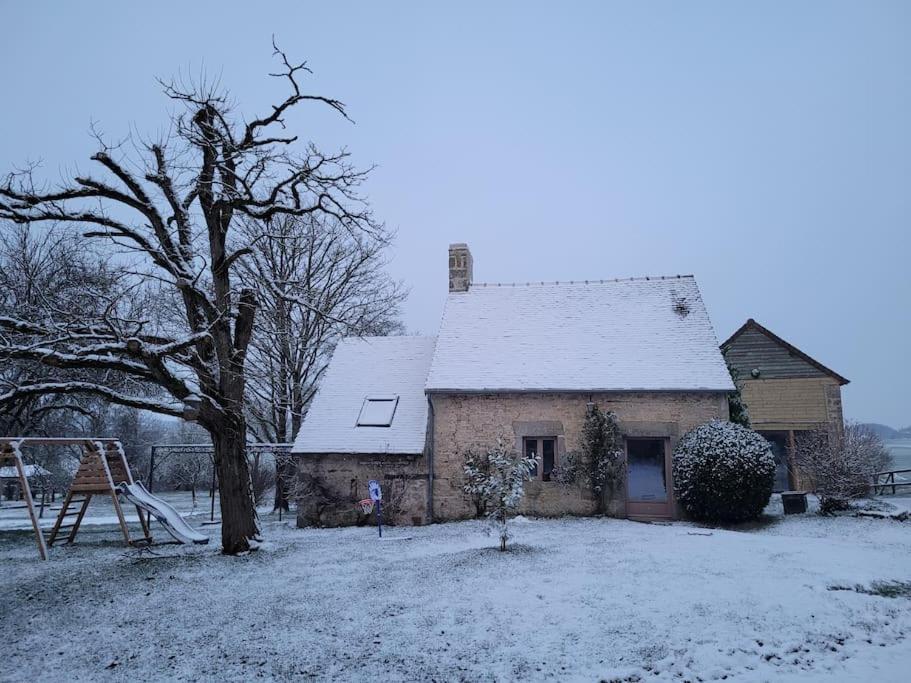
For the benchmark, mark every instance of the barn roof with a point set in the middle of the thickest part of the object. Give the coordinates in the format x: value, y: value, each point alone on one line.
x: 649, y: 334
x: 386, y: 369
x: 751, y: 324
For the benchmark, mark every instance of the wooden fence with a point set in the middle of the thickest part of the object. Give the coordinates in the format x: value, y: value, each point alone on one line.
x: 888, y: 480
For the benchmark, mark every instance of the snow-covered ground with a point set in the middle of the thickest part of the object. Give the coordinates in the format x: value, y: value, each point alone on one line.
x: 13, y: 514
x: 575, y: 599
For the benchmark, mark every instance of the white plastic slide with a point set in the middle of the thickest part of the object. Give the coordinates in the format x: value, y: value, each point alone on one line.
x: 170, y: 519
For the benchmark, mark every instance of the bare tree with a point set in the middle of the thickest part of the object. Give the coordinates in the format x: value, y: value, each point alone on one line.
x: 172, y: 208
x: 43, y: 273
x: 318, y: 281
x: 191, y: 471
x: 842, y: 464
x: 262, y: 475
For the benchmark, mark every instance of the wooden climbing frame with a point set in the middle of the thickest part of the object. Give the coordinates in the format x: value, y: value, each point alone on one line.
x: 102, y: 467
x: 11, y: 456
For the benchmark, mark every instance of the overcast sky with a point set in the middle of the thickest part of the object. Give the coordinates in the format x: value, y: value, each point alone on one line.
x: 764, y: 147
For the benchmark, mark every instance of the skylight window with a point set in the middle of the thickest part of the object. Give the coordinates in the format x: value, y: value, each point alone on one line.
x: 377, y: 411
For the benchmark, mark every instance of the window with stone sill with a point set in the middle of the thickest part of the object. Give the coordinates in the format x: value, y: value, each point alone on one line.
x: 544, y: 448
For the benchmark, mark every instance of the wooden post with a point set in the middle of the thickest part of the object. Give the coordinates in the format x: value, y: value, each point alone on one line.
x: 792, y: 472
x: 212, y: 494
x: 99, y: 450
x: 150, y: 483
x: 116, y: 451
x: 12, y: 452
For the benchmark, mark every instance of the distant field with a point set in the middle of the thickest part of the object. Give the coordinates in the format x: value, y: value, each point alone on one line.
x: 901, y: 455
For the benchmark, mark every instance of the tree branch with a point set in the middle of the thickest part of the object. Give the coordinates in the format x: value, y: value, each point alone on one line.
x: 96, y: 390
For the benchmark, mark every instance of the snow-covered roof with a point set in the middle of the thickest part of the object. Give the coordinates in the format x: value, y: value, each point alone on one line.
x: 646, y: 334
x: 10, y: 472
x: 361, y: 369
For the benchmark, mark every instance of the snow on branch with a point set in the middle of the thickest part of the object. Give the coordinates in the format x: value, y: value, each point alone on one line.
x: 111, y: 395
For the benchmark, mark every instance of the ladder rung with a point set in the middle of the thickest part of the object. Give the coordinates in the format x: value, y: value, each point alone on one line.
x: 70, y: 514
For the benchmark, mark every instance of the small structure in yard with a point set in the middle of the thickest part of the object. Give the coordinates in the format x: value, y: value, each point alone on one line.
x: 103, y: 465
x: 528, y: 360
x: 103, y: 470
x: 367, y: 422
x: 787, y: 393
x: 794, y: 502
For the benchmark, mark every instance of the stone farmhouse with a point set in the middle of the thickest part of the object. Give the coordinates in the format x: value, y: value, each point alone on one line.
x: 787, y: 394
x: 521, y: 361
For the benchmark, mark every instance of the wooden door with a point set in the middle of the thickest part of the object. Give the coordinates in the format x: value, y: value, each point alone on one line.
x: 649, y: 491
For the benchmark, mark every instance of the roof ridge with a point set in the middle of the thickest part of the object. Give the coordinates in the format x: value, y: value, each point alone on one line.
x: 370, y: 337
x: 642, y: 278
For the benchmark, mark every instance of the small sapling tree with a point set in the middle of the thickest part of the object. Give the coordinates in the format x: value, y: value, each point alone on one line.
x: 496, y: 481
x: 191, y: 471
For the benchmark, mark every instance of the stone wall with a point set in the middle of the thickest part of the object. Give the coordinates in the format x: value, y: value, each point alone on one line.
x: 464, y: 420
x: 344, y: 478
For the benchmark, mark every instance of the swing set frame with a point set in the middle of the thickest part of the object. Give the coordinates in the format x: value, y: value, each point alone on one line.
x: 102, y: 466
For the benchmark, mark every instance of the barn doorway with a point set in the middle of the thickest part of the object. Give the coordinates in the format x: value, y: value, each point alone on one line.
x: 780, y: 442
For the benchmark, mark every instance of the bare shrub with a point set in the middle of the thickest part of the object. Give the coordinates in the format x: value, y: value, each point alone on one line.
x: 262, y: 478
x: 192, y: 471
x: 842, y: 466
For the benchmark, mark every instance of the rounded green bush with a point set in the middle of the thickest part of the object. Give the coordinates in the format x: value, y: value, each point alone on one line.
x: 723, y: 472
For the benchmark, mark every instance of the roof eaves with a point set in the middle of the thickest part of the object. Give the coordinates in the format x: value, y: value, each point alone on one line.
x: 555, y: 390
x: 410, y: 453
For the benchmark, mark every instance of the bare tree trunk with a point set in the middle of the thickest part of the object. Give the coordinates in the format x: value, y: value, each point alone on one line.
x: 284, y: 402
x: 283, y: 474
x: 238, y: 514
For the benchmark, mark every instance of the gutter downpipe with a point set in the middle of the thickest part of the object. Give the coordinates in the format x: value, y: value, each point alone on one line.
x: 429, y: 460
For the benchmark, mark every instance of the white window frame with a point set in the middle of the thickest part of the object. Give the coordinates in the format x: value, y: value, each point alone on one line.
x: 393, y: 398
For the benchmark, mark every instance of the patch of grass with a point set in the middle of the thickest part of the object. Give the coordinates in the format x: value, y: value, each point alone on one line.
x: 884, y: 589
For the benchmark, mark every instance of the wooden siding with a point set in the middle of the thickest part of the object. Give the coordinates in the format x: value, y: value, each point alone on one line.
x: 795, y: 403
x: 752, y: 349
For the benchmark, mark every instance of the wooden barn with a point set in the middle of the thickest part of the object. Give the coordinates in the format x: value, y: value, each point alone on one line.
x: 787, y: 393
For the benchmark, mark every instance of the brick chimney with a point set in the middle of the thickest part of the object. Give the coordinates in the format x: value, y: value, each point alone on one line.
x: 460, y: 267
